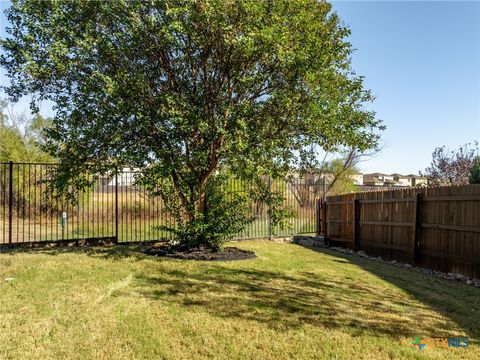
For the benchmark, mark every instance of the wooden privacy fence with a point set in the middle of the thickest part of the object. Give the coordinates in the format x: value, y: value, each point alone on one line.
x: 436, y: 228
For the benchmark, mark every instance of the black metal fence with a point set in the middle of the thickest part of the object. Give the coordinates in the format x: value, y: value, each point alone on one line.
x: 118, y: 208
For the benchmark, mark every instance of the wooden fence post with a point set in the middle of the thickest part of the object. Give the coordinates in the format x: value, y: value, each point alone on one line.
x: 355, y: 223
x: 325, y: 223
x: 318, y: 218
x: 416, y: 228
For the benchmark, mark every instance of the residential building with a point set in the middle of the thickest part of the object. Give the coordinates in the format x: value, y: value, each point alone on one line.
x: 393, y: 180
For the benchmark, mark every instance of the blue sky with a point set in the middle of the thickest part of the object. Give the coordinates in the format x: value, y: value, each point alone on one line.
x: 422, y: 62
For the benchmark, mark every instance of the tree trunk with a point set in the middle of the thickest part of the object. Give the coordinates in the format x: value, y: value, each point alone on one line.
x: 202, y: 198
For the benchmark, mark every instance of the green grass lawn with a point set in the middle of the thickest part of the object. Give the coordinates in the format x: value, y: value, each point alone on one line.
x: 290, y: 302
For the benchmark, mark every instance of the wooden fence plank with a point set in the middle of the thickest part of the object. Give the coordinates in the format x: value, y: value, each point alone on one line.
x: 378, y: 201
x: 475, y: 229
x: 386, y: 223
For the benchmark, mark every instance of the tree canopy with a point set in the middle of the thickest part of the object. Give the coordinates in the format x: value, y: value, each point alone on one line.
x: 184, y: 89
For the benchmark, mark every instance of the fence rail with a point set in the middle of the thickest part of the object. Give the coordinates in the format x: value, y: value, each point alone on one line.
x: 437, y: 228
x: 117, y: 208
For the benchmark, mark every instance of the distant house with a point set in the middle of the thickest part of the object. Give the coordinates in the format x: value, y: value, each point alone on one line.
x: 125, y: 178
x: 357, y: 179
x: 393, y: 180
x: 418, y: 180
x: 378, y: 179
x: 402, y: 180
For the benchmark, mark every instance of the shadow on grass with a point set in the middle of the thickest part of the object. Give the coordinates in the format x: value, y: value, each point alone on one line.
x: 457, y: 302
x: 284, y: 300
x: 113, y: 252
x: 343, y: 298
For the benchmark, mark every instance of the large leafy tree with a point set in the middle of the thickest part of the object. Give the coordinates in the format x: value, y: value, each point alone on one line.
x: 185, y: 89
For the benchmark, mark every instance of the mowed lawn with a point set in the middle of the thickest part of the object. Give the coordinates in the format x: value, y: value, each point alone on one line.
x: 290, y: 302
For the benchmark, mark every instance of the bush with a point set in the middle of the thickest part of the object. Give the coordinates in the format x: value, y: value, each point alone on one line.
x: 474, y: 177
x: 226, y: 214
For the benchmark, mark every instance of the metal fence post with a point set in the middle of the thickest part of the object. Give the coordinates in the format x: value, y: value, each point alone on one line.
x: 325, y: 213
x: 270, y: 210
x: 10, y: 202
x: 116, y: 205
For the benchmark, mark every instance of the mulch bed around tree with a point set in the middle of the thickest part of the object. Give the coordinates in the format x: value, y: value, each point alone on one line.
x: 225, y: 254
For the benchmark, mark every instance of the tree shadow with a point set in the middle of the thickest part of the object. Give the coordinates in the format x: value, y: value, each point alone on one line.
x: 111, y: 252
x: 455, y: 301
x: 284, y: 301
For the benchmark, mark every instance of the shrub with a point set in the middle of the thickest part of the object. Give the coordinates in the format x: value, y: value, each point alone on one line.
x: 225, y: 215
x: 474, y: 177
